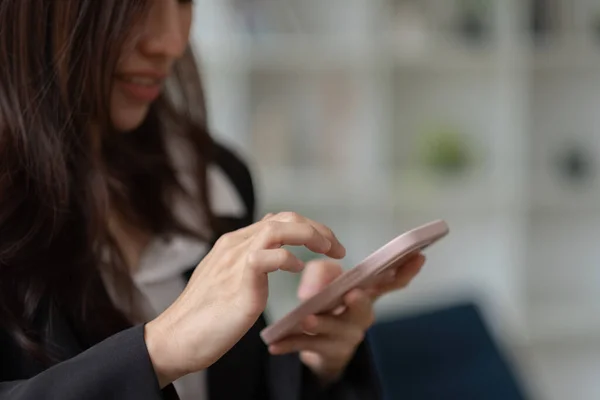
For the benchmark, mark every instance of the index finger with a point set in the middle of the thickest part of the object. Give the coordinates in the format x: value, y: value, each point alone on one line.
x: 337, y: 249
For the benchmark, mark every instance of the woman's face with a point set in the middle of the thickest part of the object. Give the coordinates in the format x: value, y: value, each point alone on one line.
x: 148, y: 60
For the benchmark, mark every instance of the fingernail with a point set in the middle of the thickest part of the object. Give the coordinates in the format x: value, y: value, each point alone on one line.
x: 326, y: 245
x: 339, y: 310
x: 343, y: 250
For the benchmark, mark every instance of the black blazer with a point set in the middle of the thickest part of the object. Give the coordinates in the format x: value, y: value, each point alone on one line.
x: 120, y: 368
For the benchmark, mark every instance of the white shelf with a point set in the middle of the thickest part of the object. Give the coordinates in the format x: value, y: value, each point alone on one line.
x: 414, y: 193
x: 306, y: 52
x: 512, y: 97
x: 577, y: 202
x: 554, y: 195
x: 442, y: 56
x: 287, y: 52
x: 474, y: 192
x: 569, y: 53
x: 321, y: 188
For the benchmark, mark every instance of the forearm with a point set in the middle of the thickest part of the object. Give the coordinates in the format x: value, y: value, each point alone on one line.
x: 117, y: 368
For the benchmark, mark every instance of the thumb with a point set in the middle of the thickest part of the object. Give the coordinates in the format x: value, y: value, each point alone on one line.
x: 317, y: 274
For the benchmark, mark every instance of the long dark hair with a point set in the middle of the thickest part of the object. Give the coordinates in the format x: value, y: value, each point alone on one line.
x: 62, y: 168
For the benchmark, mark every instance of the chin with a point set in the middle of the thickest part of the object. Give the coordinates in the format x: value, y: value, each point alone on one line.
x: 128, y: 119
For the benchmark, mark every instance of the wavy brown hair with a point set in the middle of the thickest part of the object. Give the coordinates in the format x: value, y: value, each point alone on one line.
x: 62, y: 166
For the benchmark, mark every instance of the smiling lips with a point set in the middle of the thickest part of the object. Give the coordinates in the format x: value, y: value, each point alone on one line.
x: 143, y: 87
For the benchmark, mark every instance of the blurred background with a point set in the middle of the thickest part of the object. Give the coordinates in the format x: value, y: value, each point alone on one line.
x: 375, y: 116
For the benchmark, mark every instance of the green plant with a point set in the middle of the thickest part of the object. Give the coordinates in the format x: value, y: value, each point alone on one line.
x: 445, y: 149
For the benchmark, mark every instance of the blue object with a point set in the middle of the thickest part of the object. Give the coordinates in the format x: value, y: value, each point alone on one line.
x: 446, y: 354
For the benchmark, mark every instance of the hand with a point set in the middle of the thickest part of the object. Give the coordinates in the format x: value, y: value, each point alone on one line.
x: 228, y: 292
x: 333, y: 338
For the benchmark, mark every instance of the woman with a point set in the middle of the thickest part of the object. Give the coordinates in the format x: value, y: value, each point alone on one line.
x: 108, y: 200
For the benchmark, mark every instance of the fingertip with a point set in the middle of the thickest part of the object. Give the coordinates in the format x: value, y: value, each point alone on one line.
x: 274, y: 349
x: 310, y: 323
x: 337, y: 251
x: 342, y: 250
x: 337, y: 254
x: 323, y: 246
x: 300, y: 265
x: 417, y: 260
x: 422, y: 260
x: 307, y: 289
x: 355, y: 296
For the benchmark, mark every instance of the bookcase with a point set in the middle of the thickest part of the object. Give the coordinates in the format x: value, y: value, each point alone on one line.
x: 374, y: 116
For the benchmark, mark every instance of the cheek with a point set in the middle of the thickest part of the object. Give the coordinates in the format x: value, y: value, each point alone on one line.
x: 126, y: 115
x: 186, y: 23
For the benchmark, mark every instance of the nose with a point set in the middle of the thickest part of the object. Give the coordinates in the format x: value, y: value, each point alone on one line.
x: 164, y: 34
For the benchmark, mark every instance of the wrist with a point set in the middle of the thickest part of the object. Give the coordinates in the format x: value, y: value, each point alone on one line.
x: 157, y: 345
x: 328, y: 378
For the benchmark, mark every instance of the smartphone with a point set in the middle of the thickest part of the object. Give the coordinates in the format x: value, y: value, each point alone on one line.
x: 363, y: 275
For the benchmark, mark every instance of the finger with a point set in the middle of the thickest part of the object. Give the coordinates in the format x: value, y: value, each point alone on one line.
x: 331, y: 326
x: 239, y: 236
x: 249, y: 231
x: 337, y: 250
x: 400, y: 277
x: 276, y: 234
x: 407, y: 268
x: 326, y: 347
x: 317, y: 274
x: 359, y: 309
x: 297, y: 344
x: 271, y: 260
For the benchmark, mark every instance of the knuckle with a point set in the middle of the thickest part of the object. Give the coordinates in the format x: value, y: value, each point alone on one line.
x: 328, y: 231
x: 271, y: 227
x: 285, y: 256
x: 311, y: 231
x: 290, y: 216
x: 280, y: 255
x: 252, y: 259
x: 225, y: 240
x: 272, y: 231
x: 228, y: 258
